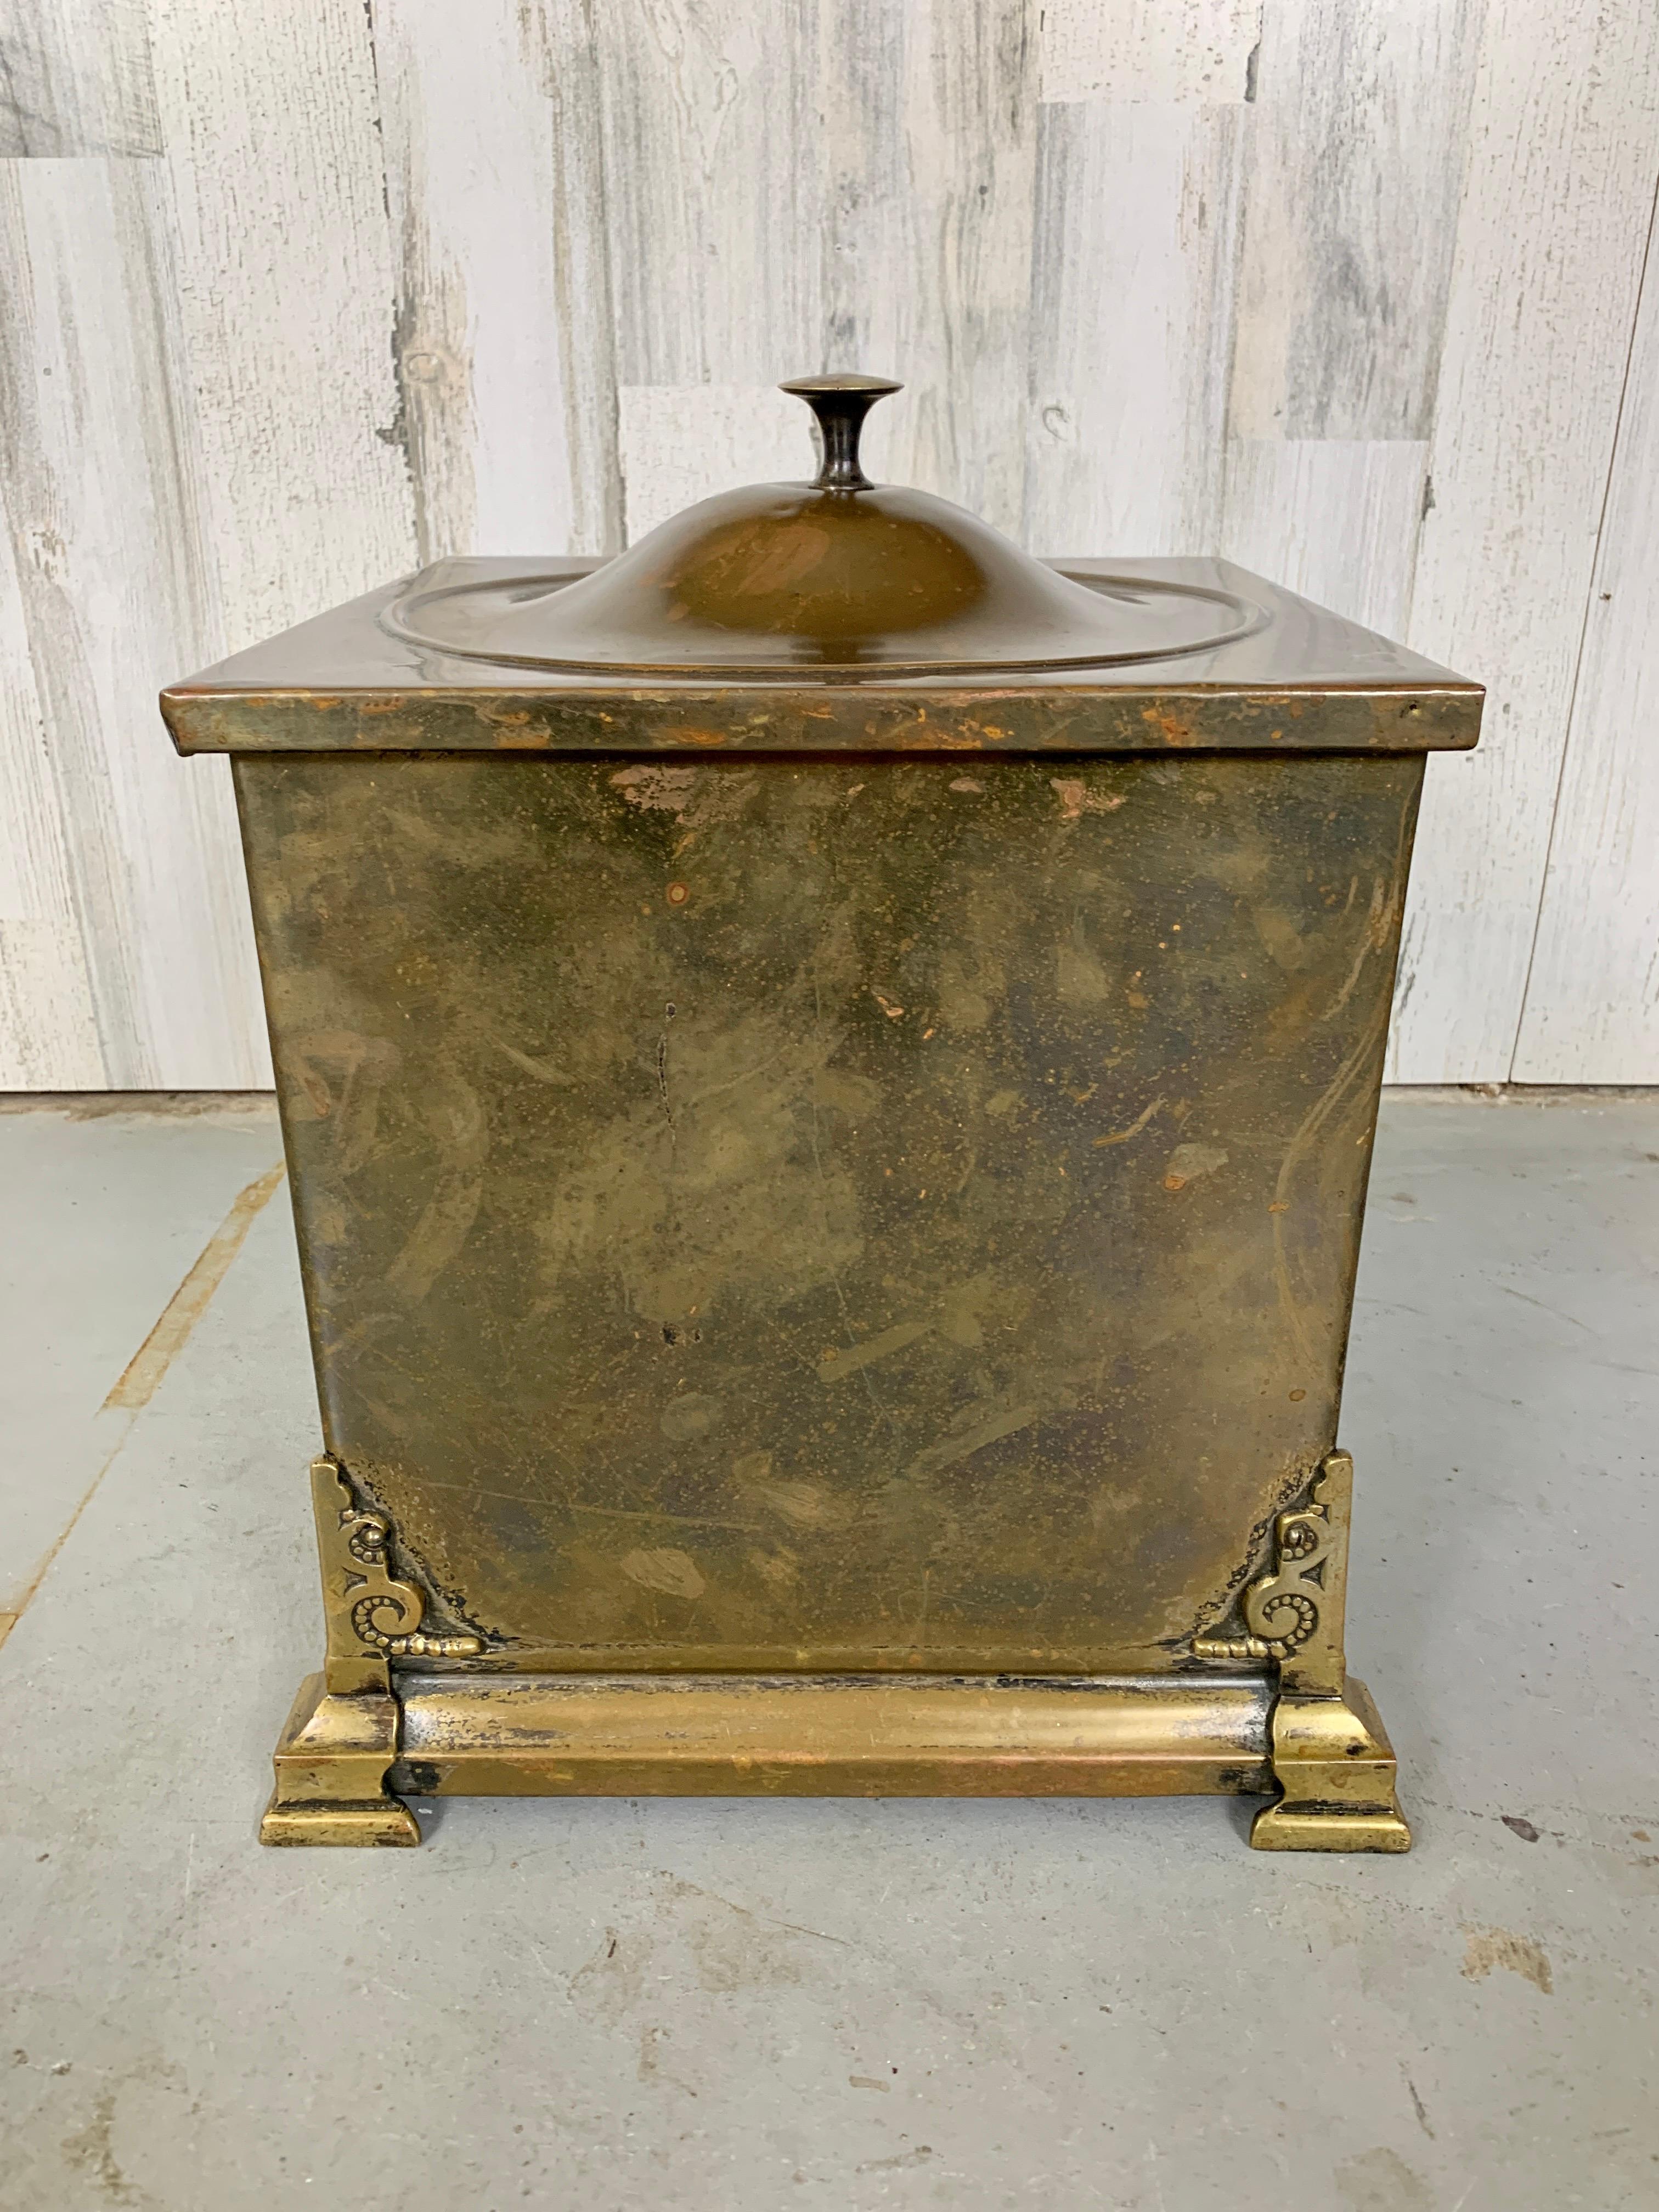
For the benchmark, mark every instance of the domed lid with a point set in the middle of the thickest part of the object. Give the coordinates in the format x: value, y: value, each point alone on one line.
x: 835, y: 579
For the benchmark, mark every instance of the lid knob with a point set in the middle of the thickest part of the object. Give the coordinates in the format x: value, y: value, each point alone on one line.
x: 841, y: 404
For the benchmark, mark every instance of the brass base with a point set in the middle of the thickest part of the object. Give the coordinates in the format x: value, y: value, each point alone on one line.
x: 386, y: 1820
x: 817, y: 1735
x: 342, y: 1757
x: 330, y: 1760
x: 1336, y: 1768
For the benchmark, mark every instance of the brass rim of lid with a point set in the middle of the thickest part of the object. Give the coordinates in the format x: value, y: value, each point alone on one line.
x: 1247, y: 618
x: 747, y: 571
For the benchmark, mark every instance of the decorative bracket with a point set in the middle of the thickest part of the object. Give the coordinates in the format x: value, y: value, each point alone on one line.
x: 371, y: 1616
x: 1295, y: 1612
x: 1334, y: 1765
x: 342, y: 1736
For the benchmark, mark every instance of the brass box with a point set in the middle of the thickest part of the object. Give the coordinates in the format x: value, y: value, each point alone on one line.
x: 828, y: 1210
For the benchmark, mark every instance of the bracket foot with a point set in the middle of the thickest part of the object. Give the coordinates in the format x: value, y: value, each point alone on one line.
x: 386, y: 1820
x: 331, y: 1760
x: 1336, y: 1765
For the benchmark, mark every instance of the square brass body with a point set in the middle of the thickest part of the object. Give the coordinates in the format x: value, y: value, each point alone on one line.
x: 829, y: 1214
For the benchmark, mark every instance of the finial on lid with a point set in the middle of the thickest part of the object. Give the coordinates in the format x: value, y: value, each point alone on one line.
x: 841, y: 404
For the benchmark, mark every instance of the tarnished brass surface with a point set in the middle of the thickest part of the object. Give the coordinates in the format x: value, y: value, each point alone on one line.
x: 1332, y: 1760
x: 829, y: 1201
x: 837, y: 580
x: 1335, y: 1767
x: 357, y: 1732
x: 1305, y: 681
x: 331, y: 1760
x: 341, y: 1737
x: 844, y: 1215
x: 1294, y: 1613
x: 698, y: 597
x: 371, y: 1615
x: 860, y: 1736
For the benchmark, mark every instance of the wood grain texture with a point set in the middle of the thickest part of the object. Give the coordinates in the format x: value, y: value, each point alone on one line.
x: 1592, y: 1004
x: 111, y: 594
x: 349, y: 285
x: 492, y: 392
x: 706, y: 121
x: 562, y: 37
x: 197, y: 361
x: 1199, y: 52
x: 839, y: 182
x: 75, y: 79
x: 283, y: 275
x: 1131, y: 325
x: 678, y: 446
x: 1355, y: 165
x: 1551, y: 233
x: 297, y: 490
x: 930, y: 128
x: 48, y: 1022
x: 1333, y: 518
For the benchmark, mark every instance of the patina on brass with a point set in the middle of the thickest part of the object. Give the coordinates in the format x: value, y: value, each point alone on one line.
x: 829, y: 1203
x: 1333, y: 1762
x: 837, y: 579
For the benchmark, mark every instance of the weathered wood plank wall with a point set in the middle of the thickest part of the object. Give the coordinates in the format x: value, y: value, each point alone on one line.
x: 1352, y: 290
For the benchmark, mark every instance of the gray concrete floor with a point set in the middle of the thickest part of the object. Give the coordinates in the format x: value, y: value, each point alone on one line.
x: 729, y: 2006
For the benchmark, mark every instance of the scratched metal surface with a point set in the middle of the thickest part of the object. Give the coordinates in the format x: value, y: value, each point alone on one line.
x: 862, y: 1212
x: 1305, y: 680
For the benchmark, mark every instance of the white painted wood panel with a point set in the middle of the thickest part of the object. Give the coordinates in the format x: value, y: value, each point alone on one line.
x: 1563, y: 155
x: 708, y: 122
x: 197, y: 366
x: 48, y: 1022
x: 930, y: 132
x: 678, y: 445
x: 75, y: 79
x: 507, y: 397
x: 333, y: 286
x: 1333, y: 518
x: 113, y: 599
x: 1356, y: 163
x: 1131, y: 324
x: 1592, y: 1004
x: 1196, y: 52
x: 284, y: 279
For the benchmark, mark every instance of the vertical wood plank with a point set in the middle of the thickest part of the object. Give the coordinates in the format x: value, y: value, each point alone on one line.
x: 1188, y: 52
x: 929, y: 133
x: 708, y: 125
x: 285, y: 287
x: 48, y: 1026
x: 678, y: 446
x: 75, y: 79
x: 563, y: 35
x: 1355, y: 169
x: 1592, y: 1004
x: 506, y: 381
x: 1560, y: 184
x: 1335, y: 518
x: 846, y: 183
x: 1131, y: 324
x: 1352, y: 187
x: 297, y: 485
x: 198, y: 356
x: 113, y: 600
